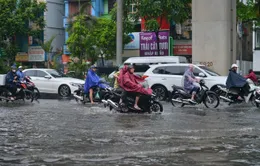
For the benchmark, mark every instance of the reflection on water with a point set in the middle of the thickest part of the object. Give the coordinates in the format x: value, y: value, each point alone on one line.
x: 64, y: 133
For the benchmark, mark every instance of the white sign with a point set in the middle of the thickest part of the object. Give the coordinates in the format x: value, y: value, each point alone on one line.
x: 36, y: 54
x: 135, y: 42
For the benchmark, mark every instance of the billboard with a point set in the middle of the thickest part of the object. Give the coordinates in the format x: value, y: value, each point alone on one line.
x: 149, y: 44
x: 135, y: 41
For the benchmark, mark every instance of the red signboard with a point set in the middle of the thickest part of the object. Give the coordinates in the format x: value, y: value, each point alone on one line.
x: 164, y: 23
x: 182, y: 49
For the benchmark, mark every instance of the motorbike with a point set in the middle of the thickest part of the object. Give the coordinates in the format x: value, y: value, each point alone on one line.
x: 101, y: 91
x: 232, y: 95
x: 180, y: 97
x: 257, y: 97
x: 31, y: 87
x: 22, y: 93
x: 147, y: 103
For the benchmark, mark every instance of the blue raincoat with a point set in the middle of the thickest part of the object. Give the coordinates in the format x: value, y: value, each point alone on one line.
x: 235, y: 80
x: 92, y: 80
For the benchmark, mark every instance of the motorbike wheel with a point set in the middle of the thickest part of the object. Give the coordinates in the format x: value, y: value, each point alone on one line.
x: 28, y: 95
x: 156, y: 107
x: 211, y: 100
x: 253, y: 102
x: 4, y: 95
x: 177, y: 97
x: 36, y: 94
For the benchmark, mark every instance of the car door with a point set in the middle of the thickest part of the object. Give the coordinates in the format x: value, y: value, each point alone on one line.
x: 174, y: 75
x: 43, y: 83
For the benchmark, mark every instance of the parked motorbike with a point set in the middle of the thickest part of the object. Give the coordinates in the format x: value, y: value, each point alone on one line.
x: 180, y: 97
x: 147, y: 103
x: 232, y: 95
x: 102, y: 91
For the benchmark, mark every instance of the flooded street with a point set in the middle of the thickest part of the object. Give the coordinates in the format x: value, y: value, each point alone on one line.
x: 62, y: 132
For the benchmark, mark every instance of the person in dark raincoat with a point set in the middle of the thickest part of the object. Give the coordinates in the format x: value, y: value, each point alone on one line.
x: 92, y: 81
x: 130, y: 83
x: 236, y: 81
x: 11, y: 81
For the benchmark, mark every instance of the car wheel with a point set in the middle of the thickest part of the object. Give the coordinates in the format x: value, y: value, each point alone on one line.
x: 160, y: 92
x: 64, y: 91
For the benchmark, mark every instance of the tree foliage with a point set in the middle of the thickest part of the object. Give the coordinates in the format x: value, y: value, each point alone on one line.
x: 249, y: 11
x: 19, y: 17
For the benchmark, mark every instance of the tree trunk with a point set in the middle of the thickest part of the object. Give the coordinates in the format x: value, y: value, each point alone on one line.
x: 102, y: 59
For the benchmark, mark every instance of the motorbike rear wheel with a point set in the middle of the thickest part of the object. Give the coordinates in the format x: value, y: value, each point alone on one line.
x: 36, y: 94
x: 156, y: 107
x: 177, y: 97
x: 4, y: 95
x: 211, y: 100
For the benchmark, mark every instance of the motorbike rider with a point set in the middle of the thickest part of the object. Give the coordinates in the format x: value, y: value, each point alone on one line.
x: 116, y: 76
x: 188, y: 83
x: 91, y: 82
x: 20, y: 73
x: 251, y: 75
x: 237, y: 82
x: 11, y: 81
x: 130, y: 83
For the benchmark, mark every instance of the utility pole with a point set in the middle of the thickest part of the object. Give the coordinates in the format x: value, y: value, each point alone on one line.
x: 119, y: 32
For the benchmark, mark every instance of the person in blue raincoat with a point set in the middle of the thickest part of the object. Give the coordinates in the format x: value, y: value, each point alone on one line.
x: 236, y: 81
x: 92, y: 81
x: 20, y: 73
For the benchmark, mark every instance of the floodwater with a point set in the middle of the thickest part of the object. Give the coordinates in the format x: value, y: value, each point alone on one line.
x: 65, y: 133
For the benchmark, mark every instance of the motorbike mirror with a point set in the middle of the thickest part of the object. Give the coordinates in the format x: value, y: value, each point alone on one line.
x: 47, y: 77
x: 202, y: 75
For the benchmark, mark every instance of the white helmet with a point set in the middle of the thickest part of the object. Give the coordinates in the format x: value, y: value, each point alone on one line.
x: 234, y: 65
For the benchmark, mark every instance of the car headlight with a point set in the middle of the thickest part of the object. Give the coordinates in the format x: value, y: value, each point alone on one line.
x: 74, y: 84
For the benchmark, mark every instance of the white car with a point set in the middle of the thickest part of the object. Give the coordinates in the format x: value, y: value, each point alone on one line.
x: 162, y: 77
x: 51, y: 81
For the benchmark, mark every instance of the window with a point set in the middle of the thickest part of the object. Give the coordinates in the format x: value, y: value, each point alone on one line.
x: 196, y: 72
x: 55, y: 73
x: 257, y: 39
x: 209, y: 71
x: 175, y: 70
x: 41, y: 73
x: 141, y: 68
x: 159, y: 70
x: 31, y: 73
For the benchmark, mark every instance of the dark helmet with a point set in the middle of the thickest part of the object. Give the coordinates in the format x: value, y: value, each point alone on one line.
x: 130, y: 67
x: 250, y: 70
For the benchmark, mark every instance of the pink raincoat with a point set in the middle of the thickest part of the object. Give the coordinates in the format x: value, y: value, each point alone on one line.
x: 130, y: 82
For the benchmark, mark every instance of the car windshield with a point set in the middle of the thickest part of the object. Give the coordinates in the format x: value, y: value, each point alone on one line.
x: 55, y: 73
x: 209, y: 71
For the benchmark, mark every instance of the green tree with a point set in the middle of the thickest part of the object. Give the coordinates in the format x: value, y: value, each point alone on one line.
x: 249, y: 11
x: 153, y: 12
x: 48, y: 48
x: 104, y: 35
x: 19, y: 17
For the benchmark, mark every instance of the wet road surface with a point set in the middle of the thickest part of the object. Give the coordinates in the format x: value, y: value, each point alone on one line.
x: 62, y: 132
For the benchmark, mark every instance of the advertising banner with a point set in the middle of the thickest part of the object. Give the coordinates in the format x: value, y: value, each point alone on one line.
x: 148, y: 44
x: 135, y: 41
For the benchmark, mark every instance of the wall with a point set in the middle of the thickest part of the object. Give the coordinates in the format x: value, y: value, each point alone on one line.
x: 213, y: 40
x: 54, y: 23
